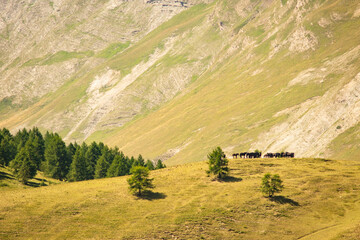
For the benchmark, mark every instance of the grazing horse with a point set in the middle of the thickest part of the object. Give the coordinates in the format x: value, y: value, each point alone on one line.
x: 290, y: 155
x: 243, y: 155
x: 235, y: 155
x: 253, y: 155
x: 269, y: 155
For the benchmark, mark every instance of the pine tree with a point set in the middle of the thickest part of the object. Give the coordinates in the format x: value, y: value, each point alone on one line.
x: 160, y: 164
x: 139, y: 181
x: 8, y: 147
x: 21, y: 138
x: 218, y: 164
x: 150, y: 165
x: 78, y: 168
x: 23, y: 168
x: 84, y: 148
x: 140, y: 161
x: 101, y: 168
x: 27, y: 170
x: 118, y: 167
x: 92, y: 155
x: 36, y: 147
x: 39, y: 144
x: 56, y: 159
x: 71, y: 149
x: 271, y: 184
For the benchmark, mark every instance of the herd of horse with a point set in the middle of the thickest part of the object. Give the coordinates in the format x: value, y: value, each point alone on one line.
x: 267, y: 155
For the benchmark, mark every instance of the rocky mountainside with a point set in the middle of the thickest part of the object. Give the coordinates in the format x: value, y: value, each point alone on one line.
x: 173, y: 79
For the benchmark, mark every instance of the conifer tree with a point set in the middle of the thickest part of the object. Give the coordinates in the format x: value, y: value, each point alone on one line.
x: 84, y: 148
x: 23, y: 168
x: 139, y: 181
x: 21, y: 138
x: 271, y: 184
x: 140, y: 161
x: 78, y: 168
x: 150, y: 165
x: 160, y: 164
x: 56, y: 160
x: 39, y: 144
x: 131, y: 163
x: 71, y: 149
x: 8, y: 147
x: 218, y: 164
x: 101, y: 168
x: 118, y: 167
x: 92, y: 155
x: 35, y: 145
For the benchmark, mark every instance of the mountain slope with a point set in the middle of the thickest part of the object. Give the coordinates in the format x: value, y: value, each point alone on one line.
x: 268, y: 75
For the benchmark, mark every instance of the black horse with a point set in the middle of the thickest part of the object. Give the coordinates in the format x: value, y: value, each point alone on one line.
x: 243, y: 155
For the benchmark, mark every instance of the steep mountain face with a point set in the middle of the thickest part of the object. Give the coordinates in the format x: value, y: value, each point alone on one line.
x: 173, y: 79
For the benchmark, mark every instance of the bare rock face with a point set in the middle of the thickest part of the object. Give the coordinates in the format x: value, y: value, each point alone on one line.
x: 313, y: 124
x: 302, y: 40
x: 46, y: 43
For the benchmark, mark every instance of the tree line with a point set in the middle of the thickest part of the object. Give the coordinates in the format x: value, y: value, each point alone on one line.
x: 28, y: 151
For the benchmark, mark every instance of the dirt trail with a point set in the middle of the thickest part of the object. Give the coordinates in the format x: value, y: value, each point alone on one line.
x: 351, y: 220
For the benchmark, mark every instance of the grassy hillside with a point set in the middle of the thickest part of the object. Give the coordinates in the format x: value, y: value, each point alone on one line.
x: 262, y: 96
x: 9, y: 183
x: 320, y: 201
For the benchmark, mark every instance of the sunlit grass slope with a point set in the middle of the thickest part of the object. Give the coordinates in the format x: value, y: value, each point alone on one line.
x: 73, y: 92
x: 237, y: 100
x: 8, y: 182
x: 320, y: 201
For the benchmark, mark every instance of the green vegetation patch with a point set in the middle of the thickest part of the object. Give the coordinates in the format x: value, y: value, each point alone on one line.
x: 6, y: 104
x: 58, y: 57
x: 171, y: 60
x: 63, y: 56
x: 346, y: 145
x: 112, y: 50
x: 255, y: 32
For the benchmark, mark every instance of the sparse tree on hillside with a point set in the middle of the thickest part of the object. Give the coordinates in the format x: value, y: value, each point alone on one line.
x: 271, y: 184
x: 139, y: 180
x: 218, y: 164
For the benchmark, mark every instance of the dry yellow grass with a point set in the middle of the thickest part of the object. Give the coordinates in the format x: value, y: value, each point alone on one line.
x: 320, y: 201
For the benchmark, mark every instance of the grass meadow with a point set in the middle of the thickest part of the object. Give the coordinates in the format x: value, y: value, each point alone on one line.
x: 320, y: 201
